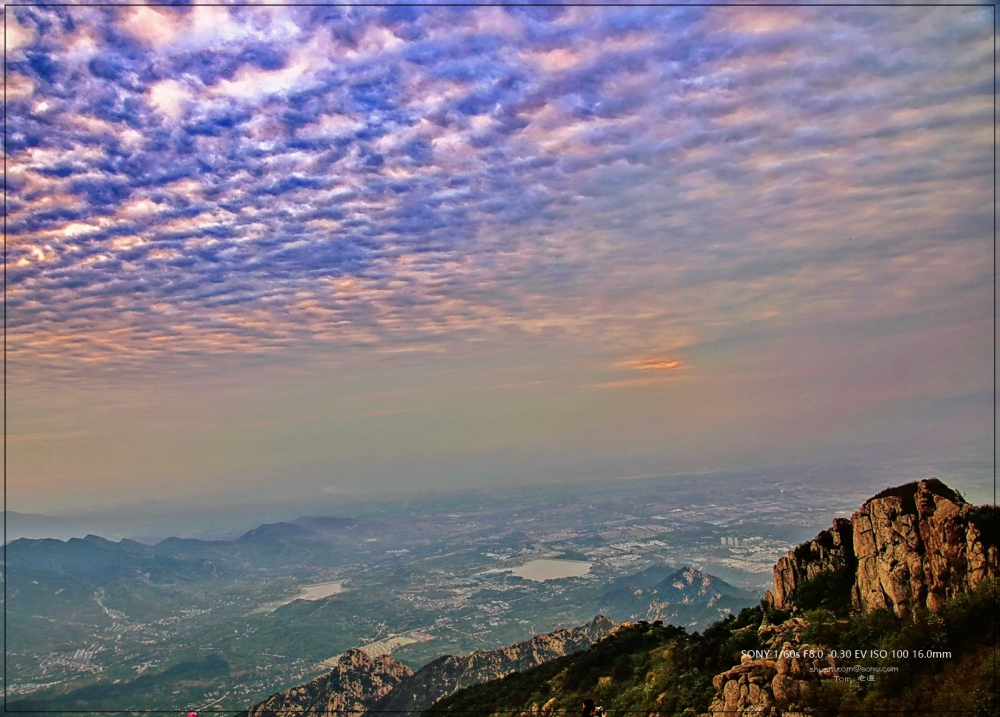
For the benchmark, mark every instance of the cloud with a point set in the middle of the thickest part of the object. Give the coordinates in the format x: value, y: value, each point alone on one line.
x: 632, y: 382
x: 649, y: 178
x: 658, y: 363
x: 169, y: 97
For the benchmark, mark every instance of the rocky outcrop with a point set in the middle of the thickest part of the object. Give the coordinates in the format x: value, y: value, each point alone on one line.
x: 784, y: 682
x: 917, y: 547
x: 446, y: 675
x: 828, y: 552
x: 353, y: 686
x: 910, y: 546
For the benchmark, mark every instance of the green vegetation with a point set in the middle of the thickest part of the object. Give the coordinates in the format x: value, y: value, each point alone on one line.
x: 830, y: 590
x: 646, y: 666
x: 651, y: 668
x: 166, y: 688
x: 613, y: 672
x: 572, y: 555
x: 985, y: 518
x: 961, y: 638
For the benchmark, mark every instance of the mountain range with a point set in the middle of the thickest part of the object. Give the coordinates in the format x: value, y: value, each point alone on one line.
x: 892, y: 611
x: 889, y: 610
x: 360, y: 683
x: 171, y: 559
x: 914, y: 569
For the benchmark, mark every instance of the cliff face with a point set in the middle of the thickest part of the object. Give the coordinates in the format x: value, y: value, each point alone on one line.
x: 828, y: 552
x: 911, y: 546
x: 450, y: 673
x: 354, y: 685
x: 914, y: 545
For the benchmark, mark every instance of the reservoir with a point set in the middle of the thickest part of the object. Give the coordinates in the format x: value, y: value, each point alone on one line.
x: 309, y: 592
x: 542, y: 570
x: 320, y: 591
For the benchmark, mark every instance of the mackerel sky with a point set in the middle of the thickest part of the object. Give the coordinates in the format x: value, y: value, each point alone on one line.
x: 297, y: 253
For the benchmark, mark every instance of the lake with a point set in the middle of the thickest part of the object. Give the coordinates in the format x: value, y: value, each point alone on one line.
x: 320, y: 591
x: 542, y: 570
x: 309, y: 592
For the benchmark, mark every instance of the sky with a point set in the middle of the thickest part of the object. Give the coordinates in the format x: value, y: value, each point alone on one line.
x: 311, y: 253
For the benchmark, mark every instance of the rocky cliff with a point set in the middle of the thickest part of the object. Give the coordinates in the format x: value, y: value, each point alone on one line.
x: 353, y: 686
x: 910, y: 546
x: 831, y: 551
x: 450, y: 673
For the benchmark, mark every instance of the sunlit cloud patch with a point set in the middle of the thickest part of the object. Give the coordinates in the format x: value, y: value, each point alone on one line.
x: 660, y: 363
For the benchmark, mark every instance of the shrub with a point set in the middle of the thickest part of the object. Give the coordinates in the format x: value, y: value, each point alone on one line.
x: 830, y: 590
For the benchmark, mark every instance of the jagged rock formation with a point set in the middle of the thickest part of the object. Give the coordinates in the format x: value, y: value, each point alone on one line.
x: 353, y: 686
x: 446, y: 675
x: 909, y: 546
x: 693, y: 599
x: 772, y: 686
x: 361, y: 684
x: 782, y: 683
x: 918, y: 548
x: 830, y: 551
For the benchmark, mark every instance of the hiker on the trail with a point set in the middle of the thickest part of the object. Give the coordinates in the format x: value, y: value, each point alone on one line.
x: 590, y: 709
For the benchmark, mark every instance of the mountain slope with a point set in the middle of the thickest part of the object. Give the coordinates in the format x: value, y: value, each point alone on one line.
x: 173, y: 559
x: 96, y: 558
x: 685, y: 597
x: 360, y: 683
x: 353, y: 686
x: 450, y: 673
x: 838, y: 654
x: 661, y: 671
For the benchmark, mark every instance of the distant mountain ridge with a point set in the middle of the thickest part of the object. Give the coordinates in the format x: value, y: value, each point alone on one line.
x: 150, y: 526
x: 302, y: 528
x: 450, y: 673
x: 360, y: 683
x: 93, y: 557
x: 169, y: 560
x: 687, y: 597
x: 35, y: 525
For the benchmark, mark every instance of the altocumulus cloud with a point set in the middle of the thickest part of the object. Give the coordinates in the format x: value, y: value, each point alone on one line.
x: 251, y: 179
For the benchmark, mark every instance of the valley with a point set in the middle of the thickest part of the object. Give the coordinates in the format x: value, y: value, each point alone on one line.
x: 241, y: 619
